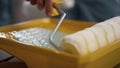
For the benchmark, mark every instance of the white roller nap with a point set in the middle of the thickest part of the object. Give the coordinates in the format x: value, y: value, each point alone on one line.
x: 93, y: 38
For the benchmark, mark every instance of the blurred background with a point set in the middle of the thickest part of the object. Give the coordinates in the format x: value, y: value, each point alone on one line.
x: 14, y: 11
x: 23, y: 11
x: 86, y: 10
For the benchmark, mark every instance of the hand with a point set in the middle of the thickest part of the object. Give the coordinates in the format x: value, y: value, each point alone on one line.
x: 41, y: 4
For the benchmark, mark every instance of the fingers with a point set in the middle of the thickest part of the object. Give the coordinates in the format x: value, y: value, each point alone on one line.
x: 33, y: 2
x: 40, y: 4
x: 48, y: 7
x: 47, y: 4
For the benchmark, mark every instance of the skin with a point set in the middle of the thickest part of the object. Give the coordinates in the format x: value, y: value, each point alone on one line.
x: 43, y: 4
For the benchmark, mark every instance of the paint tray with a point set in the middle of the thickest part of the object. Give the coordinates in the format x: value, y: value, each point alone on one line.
x: 43, y: 57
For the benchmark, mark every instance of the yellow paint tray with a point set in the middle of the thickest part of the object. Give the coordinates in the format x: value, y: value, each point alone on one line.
x: 39, y: 57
